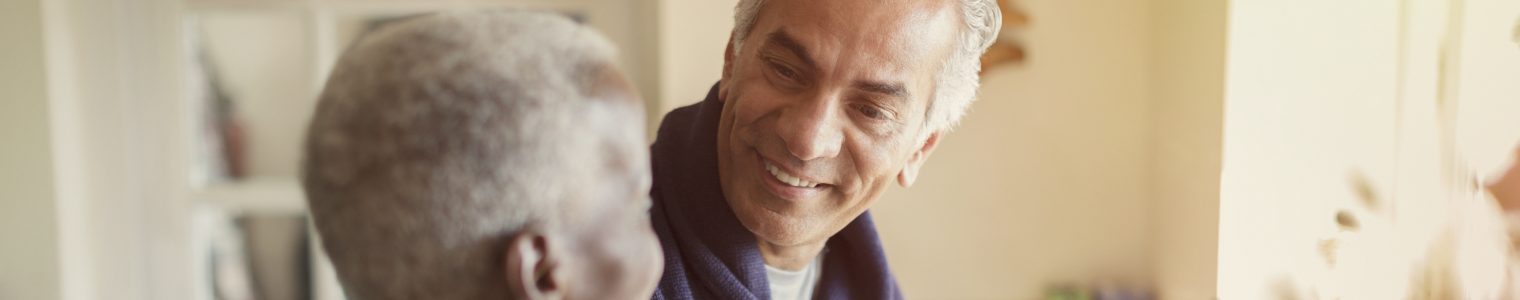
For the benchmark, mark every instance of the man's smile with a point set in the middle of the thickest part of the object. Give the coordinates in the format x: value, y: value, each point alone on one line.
x: 785, y: 185
x: 787, y: 178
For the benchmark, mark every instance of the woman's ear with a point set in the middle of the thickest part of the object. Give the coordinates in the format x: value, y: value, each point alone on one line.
x: 532, y: 268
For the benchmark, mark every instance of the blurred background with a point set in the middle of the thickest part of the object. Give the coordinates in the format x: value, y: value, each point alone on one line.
x: 1166, y: 149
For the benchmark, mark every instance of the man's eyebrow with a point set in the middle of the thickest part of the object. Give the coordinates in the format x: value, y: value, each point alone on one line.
x: 781, y: 38
x: 892, y: 89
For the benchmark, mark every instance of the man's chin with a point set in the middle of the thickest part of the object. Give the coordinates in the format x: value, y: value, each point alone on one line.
x: 777, y: 229
x: 787, y: 238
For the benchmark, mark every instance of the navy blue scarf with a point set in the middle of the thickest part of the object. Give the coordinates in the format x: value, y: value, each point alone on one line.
x: 709, y: 254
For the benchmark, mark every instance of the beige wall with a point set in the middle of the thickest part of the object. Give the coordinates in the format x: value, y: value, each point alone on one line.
x: 28, y: 216
x: 1187, y: 116
x: 693, y: 34
x: 1046, y: 179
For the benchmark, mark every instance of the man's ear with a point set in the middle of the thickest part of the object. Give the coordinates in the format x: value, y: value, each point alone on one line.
x: 532, y: 268
x: 728, y: 69
x: 910, y: 170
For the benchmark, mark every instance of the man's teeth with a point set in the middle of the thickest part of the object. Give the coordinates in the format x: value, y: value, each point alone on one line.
x: 788, y: 178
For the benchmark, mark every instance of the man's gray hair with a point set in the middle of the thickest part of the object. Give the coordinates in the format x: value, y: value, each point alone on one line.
x: 438, y: 137
x: 957, y: 82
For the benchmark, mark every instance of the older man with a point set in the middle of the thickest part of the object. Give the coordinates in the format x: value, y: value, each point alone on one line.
x: 487, y: 155
x: 761, y: 190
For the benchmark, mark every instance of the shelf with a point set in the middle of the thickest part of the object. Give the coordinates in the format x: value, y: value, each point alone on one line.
x: 258, y: 194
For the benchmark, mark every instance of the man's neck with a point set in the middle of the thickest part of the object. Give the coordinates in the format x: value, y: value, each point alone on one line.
x: 791, y: 258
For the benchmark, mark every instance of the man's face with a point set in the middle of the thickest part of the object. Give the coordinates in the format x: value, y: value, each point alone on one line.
x: 617, y: 255
x: 824, y: 107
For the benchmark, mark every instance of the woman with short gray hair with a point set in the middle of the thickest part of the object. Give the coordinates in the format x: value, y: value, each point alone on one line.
x: 482, y: 155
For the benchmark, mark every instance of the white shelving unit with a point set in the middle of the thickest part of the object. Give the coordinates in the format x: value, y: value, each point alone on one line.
x: 259, y: 194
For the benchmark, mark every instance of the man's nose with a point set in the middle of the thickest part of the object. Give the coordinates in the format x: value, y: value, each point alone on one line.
x: 811, y: 129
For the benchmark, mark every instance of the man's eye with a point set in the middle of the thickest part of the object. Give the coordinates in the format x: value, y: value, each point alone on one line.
x: 784, y: 71
x: 872, y: 112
